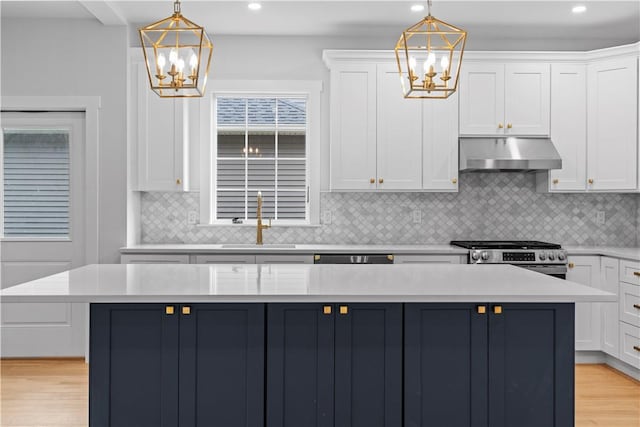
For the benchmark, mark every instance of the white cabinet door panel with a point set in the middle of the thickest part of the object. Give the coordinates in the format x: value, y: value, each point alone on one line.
x: 586, y: 271
x: 527, y: 99
x: 630, y: 272
x: 612, y: 124
x: 284, y: 259
x: 154, y: 259
x: 610, y: 319
x: 440, y: 145
x: 481, y: 99
x: 225, y: 259
x: 569, y: 126
x: 399, y: 134
x: 630, y: 304
x: 630, y: 344
x: 353, y: 128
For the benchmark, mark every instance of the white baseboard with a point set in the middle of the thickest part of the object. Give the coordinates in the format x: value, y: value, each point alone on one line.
x: 600, y: 357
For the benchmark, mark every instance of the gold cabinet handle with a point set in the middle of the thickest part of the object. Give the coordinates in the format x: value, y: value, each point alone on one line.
x: 316, y: 257
x: 482, y: 309
x: 500, y: 126
x: 178, y: 181
x: 497, y: 309
x: 186, y: 310
x: 571, y: 265
x: 169, y: 310
x: 326, y: 309
x: 590, y: 180
x: 390, y: 257
x: 372, y: 181
x: 636, y: 348
x: 344, y: 309
x: 380, y: 180
x: 509, y: 126
x: 636, y: 306
x: 636, y: 273
x: 454, y: 181
x: 555, y: 181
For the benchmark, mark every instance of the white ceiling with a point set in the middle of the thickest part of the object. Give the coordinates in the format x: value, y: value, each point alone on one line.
x: 491, y: 25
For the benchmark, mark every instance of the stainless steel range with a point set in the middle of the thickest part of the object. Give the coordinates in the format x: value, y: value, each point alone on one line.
x: 546, y: 258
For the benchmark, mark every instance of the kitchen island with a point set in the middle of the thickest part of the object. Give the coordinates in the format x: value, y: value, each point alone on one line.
x: 324, y: 345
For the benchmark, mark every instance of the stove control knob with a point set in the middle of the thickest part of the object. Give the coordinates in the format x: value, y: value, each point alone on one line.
x: 561, y: 256
x: 485, y: 256
x: 542, y: 256
x: 552, y: 256
x: 475, y: 256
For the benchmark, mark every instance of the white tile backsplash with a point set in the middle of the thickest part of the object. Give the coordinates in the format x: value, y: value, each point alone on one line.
x: 488, y: 206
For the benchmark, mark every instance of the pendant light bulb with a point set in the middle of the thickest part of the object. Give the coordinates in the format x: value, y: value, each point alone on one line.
x: 180, y: 64
x: 444, y: 62
x: 162, y: 61
x: 431, y: 59
x: 193, y: 61
x: 173, y: 57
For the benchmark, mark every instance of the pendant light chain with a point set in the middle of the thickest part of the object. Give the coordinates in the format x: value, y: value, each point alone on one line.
x: 176, y: 7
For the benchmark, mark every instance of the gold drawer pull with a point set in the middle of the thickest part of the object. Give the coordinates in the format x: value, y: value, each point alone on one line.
x: 636, y: 273
x: 497, y: 309
x: 555, y: 181
x: 636, y: 348
x: 326, y: 309
x: 169, y: 309
x: 500, y: 126
x: 381, y: 180
x: 509, y: 126
x: 571, y: 265
x: 316, y: 257
x: 590, y: 180
x: 372, y: 181
x: 636, y: 306
x: 482, y: 309
x: 390, y: 257
x: 186, y: 310
x: 178, y: 181
x: 454, y: 181
x: 344, y: 309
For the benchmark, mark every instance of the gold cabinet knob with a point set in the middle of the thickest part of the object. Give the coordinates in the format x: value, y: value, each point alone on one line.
x: 636, y: 273
x: 390, y: 257
x: 380, y: 181
x: 186, y: 310
x: 636, y: 348
x: 590, y: 180
x: 326, y: 309
x: 509, y: 126
x: 555, y: 181
x: 497, y: 309
x: 571, y: 265
x: 454, y: 181
x: 344, y: 309
x: 316, y: 257
x: 178, y: 181
x: 169, y: 309
x: 372, y: 181
x: 500, y: 126
x: 482, y: 309
x: 636, y: 306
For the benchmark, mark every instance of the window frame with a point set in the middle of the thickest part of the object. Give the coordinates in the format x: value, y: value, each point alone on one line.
x: 309, y: 90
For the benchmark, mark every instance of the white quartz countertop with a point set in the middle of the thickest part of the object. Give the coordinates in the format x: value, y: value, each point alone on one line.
x: 612, y: 251
x: 178, y: 248
x: 191, y: 283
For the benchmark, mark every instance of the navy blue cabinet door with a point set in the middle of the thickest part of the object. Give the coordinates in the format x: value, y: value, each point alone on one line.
x: 222, y: 365
x: 445, y: 366
x: 368, y: 365
x: 133, y: 371
x: 531, y: 365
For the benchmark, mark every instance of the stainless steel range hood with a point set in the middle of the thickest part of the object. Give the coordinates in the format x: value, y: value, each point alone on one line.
x: 508, y: 154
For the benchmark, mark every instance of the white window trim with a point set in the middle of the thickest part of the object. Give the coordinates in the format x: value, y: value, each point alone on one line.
x: 309, y: 89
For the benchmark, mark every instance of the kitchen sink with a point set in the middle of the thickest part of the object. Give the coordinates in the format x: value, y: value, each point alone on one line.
x: 254, y: 246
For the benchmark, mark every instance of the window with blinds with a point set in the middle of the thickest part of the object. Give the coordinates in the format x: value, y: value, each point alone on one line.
x: 36, y: 183
x: 261, y: 146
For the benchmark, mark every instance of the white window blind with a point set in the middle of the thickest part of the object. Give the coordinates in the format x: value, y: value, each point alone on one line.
x: 261, y: 146
x: 36, y: 183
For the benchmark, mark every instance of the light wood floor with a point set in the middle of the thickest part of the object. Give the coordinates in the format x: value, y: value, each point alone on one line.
x: 53, y: 393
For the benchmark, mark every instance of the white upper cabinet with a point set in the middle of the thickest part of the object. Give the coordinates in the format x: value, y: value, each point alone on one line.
x: 399, y: 134
x: 162, y: 137
x: 612, y: 155
x: 569, y: 126
x: 499, y: 99
x: 440, y: 144
x: 353, y: 127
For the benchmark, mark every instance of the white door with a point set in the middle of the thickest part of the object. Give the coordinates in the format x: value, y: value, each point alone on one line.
x: 399, y: 134
x: 353, y: 127
x: 43, y: 224
x: 609, y: 281
x: 482, y: 99
x: 440, y: 144
x: 612, y: 126
x: 586, y: 271
x: 527, y: 92
x: 569, y: 126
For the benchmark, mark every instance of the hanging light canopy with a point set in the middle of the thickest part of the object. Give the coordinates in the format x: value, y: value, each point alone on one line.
x: 178, y: 55
x: 429, y: 56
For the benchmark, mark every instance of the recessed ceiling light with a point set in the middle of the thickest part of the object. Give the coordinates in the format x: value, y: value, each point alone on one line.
x: 579, y: 9
x: 254, y: 6
x: 417, y: 8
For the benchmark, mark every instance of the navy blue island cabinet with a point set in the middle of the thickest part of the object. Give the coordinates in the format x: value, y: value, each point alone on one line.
x: 489, y: 365
x: 164, y: 365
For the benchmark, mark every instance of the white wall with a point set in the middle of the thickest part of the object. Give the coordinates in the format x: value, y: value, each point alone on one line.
x: 42, y: 57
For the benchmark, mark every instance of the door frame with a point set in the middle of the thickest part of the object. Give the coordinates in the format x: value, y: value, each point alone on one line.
x: 91, y: 106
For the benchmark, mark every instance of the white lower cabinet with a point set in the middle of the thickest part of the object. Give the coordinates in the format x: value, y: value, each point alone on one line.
x: 284, y: 259
x: 586, y: 271
x: 225, y: 259
x: 609, y: 282
x: 154, y: 259
x: 630, y: 344
x: 430, y: 259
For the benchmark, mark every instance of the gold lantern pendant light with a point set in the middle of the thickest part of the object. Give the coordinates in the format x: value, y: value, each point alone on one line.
x: 429, y: 56
x: 177, y: 53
